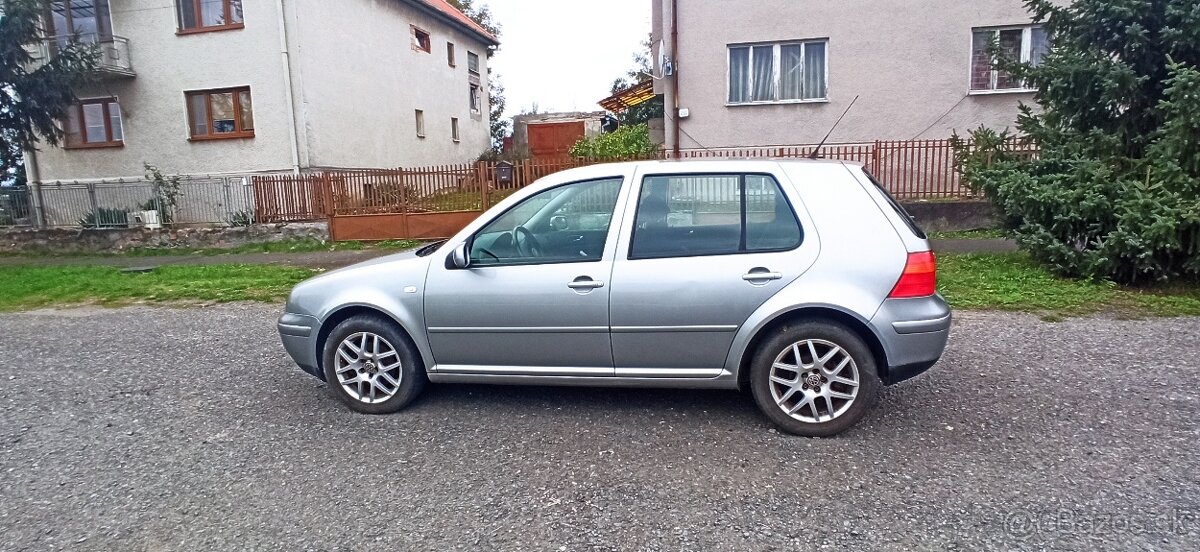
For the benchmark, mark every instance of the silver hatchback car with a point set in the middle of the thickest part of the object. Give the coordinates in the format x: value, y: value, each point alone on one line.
x: 803, y: 281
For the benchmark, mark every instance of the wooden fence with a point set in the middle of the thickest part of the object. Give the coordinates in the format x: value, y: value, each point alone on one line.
x: 413, y: 197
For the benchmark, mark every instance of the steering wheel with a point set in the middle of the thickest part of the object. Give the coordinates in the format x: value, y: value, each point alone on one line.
x: 526, y: 243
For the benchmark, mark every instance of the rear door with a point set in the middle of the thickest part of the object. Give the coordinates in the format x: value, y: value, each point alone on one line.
x: 704, y: 250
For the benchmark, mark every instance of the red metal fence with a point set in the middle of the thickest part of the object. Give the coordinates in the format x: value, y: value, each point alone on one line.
x: 435, y: 201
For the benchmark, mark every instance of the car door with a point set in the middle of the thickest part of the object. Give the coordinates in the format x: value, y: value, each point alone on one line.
x: 533, y: 299
x: 703, y: 251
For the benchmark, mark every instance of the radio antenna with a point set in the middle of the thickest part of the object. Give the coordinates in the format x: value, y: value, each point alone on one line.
x: 816, y: 152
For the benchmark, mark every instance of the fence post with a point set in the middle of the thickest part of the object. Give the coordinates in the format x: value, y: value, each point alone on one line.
x: 251, y: 198
x: 403, y: 190
x: 481, y: 174
x: 39, y: 207
x: 875, y: 160
x: 225, y: 190
x: 91, y: 191
x: 327, y: 196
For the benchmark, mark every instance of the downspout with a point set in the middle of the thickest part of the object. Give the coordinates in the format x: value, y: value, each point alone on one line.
x: 675, y: 74
x: 33, y: 179
x: 287, y: 87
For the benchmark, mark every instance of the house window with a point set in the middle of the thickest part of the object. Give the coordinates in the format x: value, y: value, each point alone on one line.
x: 209, y: 15
x: 450, y: 54
x: 476, y: 100
x: 87, y: 20
x: 1028, y: 44
x: 472, y: 64
x: 454, y: 129
x: 784, y: 72
x: 420, y: 123
x: 94, y: 124
x: 224, y: 113
x: 420, y: 38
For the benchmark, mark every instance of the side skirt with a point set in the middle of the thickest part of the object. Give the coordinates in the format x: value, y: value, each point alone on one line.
x: 725, y: 380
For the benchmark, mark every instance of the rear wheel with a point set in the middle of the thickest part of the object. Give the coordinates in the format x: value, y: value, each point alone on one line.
x: 372, y: 366
x: 814, y: 378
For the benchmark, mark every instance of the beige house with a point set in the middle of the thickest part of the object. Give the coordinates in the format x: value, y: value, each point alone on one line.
x: 781, y: 72
x: 233, y: 86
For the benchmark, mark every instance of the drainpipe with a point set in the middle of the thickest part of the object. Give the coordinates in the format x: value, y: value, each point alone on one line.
x: 675, y: 74
x: 287, y: 87
x: 33, y: 179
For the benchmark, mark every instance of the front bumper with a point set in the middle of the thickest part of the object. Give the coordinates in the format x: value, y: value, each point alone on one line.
x: 913, y: 333
x: 299, y: 335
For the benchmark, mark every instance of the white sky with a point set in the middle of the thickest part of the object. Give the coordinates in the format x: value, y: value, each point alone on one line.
x: 564, y: 54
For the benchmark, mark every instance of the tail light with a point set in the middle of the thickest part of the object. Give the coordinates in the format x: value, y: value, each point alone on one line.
x: 919, y: 278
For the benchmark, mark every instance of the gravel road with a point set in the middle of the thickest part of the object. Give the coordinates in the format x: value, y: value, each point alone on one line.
x: 154, y: 429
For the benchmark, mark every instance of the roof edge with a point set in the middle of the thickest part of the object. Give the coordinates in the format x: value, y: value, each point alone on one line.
x: 484, y: 36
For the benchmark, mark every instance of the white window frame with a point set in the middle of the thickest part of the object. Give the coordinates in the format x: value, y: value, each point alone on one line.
x: 419, y: 115
x: 454, y: 130
x: 776, y: 51
x: 475, y: 98
x: 1026, y: 54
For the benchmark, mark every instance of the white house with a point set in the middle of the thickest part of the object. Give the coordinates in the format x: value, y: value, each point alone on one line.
x: 233, y: 86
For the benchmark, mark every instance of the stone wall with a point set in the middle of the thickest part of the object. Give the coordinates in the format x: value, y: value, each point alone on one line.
x: 65, y: 240
x: 944, y: 216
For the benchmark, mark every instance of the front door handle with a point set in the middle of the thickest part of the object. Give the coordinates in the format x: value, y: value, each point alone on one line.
x: 584, y: 282
x: 759, y: 274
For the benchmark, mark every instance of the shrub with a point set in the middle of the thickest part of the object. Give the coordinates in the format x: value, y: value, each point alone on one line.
x: 104, y: 217
x: 627, y: 141
x: 1114, y: 192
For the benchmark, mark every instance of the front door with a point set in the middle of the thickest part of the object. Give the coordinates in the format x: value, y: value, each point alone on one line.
x: 705, y: 251
x: 534, y: 298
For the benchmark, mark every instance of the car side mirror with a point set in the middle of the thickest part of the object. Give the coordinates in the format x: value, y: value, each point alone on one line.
x: 458, y: 258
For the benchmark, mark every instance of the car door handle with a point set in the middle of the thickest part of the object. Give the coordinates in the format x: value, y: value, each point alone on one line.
x: 583, y: 282
x: 754, y: 275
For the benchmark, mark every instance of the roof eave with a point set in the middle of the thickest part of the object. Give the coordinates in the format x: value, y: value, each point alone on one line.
x: 486, y: 38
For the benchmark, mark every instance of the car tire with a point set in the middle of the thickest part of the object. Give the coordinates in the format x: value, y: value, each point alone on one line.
x: 370, y: 381
x: 811, y: 400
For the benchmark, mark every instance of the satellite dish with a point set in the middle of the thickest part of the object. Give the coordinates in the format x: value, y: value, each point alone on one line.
x: 666, y: 67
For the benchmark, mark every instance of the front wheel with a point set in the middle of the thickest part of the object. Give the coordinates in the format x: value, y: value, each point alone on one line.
x: 814, y: 378
x: 372, y: 366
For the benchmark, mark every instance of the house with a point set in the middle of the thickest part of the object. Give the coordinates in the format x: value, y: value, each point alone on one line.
x: 553, y: 134
x: 233, y: 86
x: 780, y: 72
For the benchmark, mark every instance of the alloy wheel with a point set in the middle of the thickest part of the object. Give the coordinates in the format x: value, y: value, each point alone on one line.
x: 368, y: 367
x: 814, y: 380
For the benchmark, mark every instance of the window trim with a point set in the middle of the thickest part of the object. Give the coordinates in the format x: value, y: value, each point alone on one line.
x: 1026, y: 55
x: 472, y: 55
x: 419, y: 120
x: 616, y: 205
x: 475, y: 92
x: 227, y: 7
x: 455, y: 136
x: 237, y: 113
x: 415, y: 32
x: 742, y: 208
x: 108, y: 129
x: 776, y: 52
x: 451, y: 56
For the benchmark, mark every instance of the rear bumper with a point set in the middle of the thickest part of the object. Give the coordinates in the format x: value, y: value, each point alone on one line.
x: 913, y: 333
x: 299, y: 335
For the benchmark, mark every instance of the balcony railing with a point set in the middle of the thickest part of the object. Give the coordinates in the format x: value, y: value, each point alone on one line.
x: 114, y: 52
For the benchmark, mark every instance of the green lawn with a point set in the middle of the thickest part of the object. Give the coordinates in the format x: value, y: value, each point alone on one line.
x: 27, y: 287
x: 992, y: 281
x: 1011, y: 281
x: 301, y: 245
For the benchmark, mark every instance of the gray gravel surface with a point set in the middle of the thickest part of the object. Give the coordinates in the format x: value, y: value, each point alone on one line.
x: 189, y: 429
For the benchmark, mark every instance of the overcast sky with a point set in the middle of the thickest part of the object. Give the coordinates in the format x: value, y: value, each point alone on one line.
x: 564, y: 54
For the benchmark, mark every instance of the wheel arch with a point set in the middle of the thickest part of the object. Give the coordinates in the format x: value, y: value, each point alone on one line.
x: 812, y: 312
x: 345, y: 312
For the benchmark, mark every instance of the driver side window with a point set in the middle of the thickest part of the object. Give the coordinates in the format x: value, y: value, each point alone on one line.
x: 566, y: 223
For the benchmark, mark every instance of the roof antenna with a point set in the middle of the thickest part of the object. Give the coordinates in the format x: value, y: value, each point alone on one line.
x: 816, y: 152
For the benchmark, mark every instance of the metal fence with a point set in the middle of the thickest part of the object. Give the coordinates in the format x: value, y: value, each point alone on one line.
x: 225, y: 200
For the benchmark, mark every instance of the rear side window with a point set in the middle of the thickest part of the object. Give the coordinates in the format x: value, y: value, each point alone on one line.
x: 717, y: 214
x: 904, y: 216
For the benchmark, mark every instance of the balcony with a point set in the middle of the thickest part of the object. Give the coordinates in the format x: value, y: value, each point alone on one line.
x: 114, y: 53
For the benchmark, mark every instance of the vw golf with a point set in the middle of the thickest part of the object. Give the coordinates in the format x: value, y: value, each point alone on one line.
x: 803, y: 281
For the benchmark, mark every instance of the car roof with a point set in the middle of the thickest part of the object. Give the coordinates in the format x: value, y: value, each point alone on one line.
x: 716, y: 164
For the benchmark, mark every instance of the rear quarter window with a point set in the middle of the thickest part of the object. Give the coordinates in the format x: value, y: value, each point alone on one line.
x: 900, y: 210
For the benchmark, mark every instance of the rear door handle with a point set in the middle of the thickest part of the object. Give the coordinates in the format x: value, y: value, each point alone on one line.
x: 583, y: 282
x: 761, y: 274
